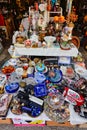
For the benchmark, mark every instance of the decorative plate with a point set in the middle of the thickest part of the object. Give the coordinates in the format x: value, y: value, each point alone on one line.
x: 76, y: 41
x: 5, y: 100
x: 39, y: 77
x: 55, y: 100
x: 55, y: 76
x: 61, y: 114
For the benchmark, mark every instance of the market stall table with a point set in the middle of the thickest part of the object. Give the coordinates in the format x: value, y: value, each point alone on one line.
x: 42, y: 116
x: 47, y: 94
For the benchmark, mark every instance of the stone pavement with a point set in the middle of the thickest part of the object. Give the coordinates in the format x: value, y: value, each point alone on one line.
x: 11, y: 127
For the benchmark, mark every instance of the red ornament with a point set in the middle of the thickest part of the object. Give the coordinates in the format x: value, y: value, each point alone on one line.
x: 73, y: 97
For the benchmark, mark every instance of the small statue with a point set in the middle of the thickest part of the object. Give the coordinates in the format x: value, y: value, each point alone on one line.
x: 41, y: 23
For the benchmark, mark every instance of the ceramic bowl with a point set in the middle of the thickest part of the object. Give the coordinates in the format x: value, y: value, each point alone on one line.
x: 12, y: 88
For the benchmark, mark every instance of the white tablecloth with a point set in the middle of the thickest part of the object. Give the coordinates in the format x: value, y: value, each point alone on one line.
x: 75, y: 119
x: 25, y: 116
x: 45, y: 51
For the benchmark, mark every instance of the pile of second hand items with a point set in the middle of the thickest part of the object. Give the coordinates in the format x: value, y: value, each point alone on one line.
x: 35, y: 86
x: 39, y: 86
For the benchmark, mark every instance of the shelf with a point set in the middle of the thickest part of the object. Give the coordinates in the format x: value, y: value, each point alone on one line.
x: 19, y: 51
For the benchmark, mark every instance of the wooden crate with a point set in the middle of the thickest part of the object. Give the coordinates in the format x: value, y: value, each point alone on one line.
x: 5, y: 121
x: 52, y: 123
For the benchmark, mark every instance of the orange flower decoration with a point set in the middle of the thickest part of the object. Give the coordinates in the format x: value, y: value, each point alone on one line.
x: 61, y: 19
x: 56, y: 19
x: 85, y: 18
x: 73, y: 17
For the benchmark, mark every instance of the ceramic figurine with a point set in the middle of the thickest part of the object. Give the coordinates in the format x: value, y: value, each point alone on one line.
x: 41, y: 23
x: 15, y: 107
x: 40, y: 67
x: 27, y: 43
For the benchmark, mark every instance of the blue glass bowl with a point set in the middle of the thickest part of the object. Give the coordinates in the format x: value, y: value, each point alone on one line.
x: 39, y: 77
x: 12, y: 88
